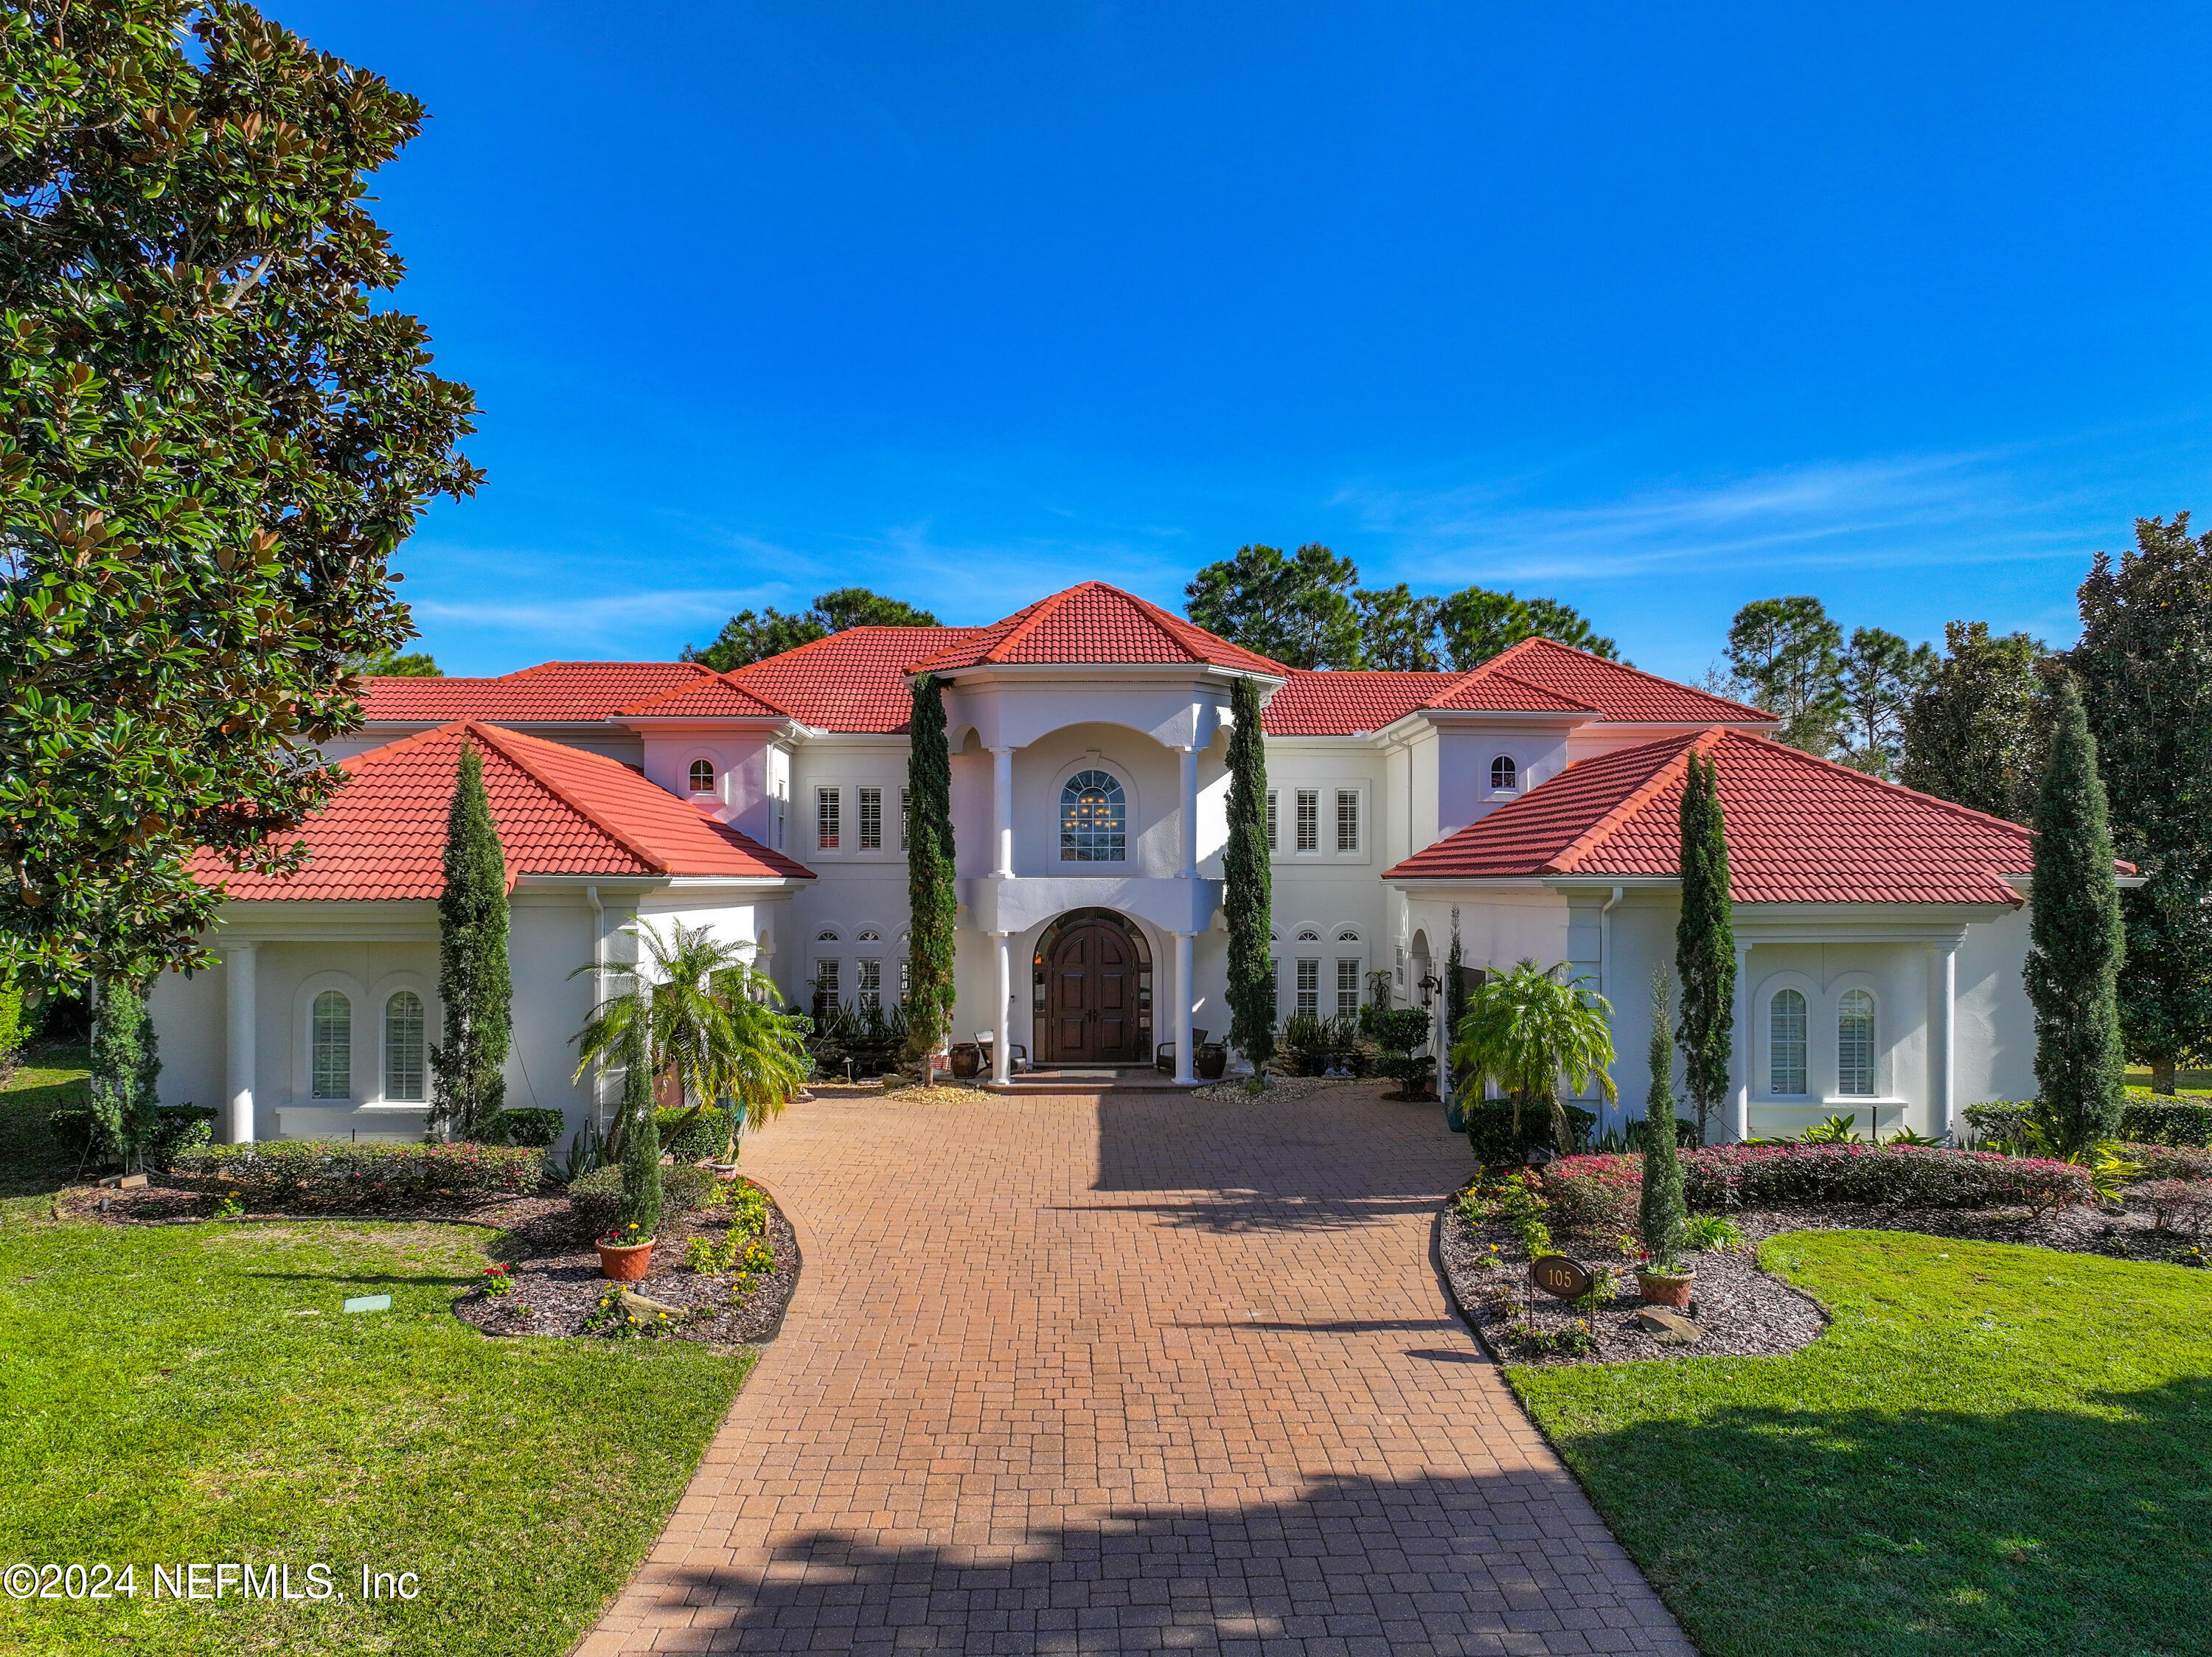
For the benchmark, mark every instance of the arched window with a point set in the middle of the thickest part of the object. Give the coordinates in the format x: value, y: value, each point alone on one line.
x: 1093, y: 820
x: 1347, y: 937
x: 825, y: 937
x: 1504, y: 773
x: 1309, y: 936
x: 1855, y: 1043
x: 702, y: 777
x: 1785, y: 1041
x: 403, y: 1049
x: 330, y: 1047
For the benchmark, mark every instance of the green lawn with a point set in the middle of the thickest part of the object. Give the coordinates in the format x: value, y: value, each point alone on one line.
x: 169, y: 1399
x: 1995, y: 1449
x: 30, y: 1162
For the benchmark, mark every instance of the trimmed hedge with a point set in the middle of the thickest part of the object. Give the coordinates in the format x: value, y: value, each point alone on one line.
x: 708, y: 1132
x: 531, y: 1126
x: 176, y: 1128
x: 334, y: 1176
x: 2005, y: 1120
x: 1490, y: 1130
x: 595, y: 1199
x: 2166, y: 1120
x: 1588, y: 1192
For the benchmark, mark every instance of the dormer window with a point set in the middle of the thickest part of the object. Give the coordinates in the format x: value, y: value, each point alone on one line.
x: 1504, y: 775
x: 702, y: 777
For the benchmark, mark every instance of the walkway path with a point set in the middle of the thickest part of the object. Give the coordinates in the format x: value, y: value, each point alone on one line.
x: 1074, y: 1376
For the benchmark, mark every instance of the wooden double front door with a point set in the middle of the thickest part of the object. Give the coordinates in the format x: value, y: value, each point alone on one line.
x: 1090, y: 997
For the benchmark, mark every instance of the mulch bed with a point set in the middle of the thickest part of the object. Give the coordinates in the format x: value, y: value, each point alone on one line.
x: 1743, y: 1311
x: 557, y: 1280
x: 557, y: 1285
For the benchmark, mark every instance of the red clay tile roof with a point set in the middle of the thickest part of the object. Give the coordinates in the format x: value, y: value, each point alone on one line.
x: 559, y: 810
x: 1613, y: 688
x: 850, y: 681
x: 550, y: 691
x: 1092, y: 622
x: 1340, y: 702
x: 715, y: 697
x: 1800, y: 830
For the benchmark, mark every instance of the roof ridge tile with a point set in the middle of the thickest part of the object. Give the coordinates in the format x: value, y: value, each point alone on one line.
x: 1564, y: 861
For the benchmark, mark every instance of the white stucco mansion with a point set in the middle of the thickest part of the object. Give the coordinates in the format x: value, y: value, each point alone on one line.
x: 1531, y: 802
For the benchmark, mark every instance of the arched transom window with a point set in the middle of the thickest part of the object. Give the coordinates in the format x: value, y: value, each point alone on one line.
x: 1855, y: 1043
x: 1093, y: 820
x: 702, y: 777
x: 1785, y: 1041
x: 404, y: 1081
x: 329, y: 1045
x: 1504, y: 773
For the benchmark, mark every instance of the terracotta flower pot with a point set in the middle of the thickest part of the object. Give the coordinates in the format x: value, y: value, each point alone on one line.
x: 966, y: 1061
x: 624, y: 1262
x: 1666, y: 1288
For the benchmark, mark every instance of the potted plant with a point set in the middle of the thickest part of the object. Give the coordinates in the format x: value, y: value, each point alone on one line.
x: 1665, y: 1281
x: 966, y: 1061
x: 625, y: 1254
x: 1210, y: 1061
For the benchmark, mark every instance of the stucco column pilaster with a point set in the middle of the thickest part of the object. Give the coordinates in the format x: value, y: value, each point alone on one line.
x: 1942, y: 997
x: 239, y: 1028
x: 1739, y: 1125
x: 1002, y: 1023
x: 1189, y: 870
x: 1182, y: 1005
x: 1002, y: 809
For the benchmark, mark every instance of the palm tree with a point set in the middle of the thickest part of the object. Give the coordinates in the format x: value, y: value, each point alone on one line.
x: 1524, y: 1030
x: 710, y: 1017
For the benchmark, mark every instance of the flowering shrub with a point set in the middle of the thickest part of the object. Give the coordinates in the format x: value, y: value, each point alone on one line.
x: 1721, y: 1177
x: 2168, y: 1161
x: 304, y: 1175
x: 1590, y: 1192
x: 595, y: 1200
x: 499, y: 1280
x: 1518, y: 1201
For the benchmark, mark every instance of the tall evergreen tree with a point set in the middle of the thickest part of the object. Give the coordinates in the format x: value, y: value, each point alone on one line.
x: 1661, y: 1210
x: 1454, y: 1011
x: 1249, y: 882
x: 2145, y: 661
x: 1791, y: 654
x: 468, y: 1071
x: 1881, y: 673
x: 124, y: 1087
x: 2076, y: 939
x: 640, y: 1131
x: 932, y: 894
x: 1704, y: 942
x: 1977, y: 732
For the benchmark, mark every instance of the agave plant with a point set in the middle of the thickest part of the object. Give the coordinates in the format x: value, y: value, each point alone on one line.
x: 710, y: 1018
x: 1526, y: 1030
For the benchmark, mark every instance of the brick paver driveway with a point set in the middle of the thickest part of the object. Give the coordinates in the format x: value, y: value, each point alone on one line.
x: 1071, y: 1374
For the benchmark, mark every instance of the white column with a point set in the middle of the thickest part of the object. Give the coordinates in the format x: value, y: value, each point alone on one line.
x: 1001, y: 1029
x: 1190, y: 814
x: 1002, y: 803
x: 1943, y: 994
x: 1740, y: 1107
x: 238, y: 967
x: 1184, y: 1055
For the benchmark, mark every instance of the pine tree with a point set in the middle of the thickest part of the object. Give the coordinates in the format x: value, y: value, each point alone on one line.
x: 468, y: 1071
x: 1704, y: 942
x: 1249, y: 883
x: 1661, y: 1211
x: 2075, y: 940
x: 641, y: 1150
x: 932, y: 894
x: 2145, y: 660
x: 124, y: 1088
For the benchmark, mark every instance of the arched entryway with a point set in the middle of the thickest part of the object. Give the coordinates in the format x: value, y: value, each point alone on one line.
x: 1091, y: 990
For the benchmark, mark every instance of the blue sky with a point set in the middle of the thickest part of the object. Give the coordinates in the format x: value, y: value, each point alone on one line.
x: 1655, y: 309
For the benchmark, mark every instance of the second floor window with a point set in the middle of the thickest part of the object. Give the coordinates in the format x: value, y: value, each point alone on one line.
x: 826, y: 813
x: 1093, y: 820
x: 871, y: 819
x: 702, y: 777
x: 905, y: 817
x: 1504, y: 773
x: 1274, y: 840
x: 1309, y: 819
x: 1348, y: 819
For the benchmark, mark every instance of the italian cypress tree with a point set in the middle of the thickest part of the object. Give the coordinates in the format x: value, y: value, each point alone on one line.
x: 2145, y: 660
x: 2075, y: 940
x: 468, y: 1071
x: 1454, y: 1010
x: 640, y: 1157
x: 1250, y: 883
x: 124, y: 1089
x: 1705, y: 941
x: 1661, y: 1211
x: 932, y: 895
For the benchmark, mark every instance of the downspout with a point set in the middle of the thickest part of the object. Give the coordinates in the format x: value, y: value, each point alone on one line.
x: 1604, y: 963
x: 598, y: 974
